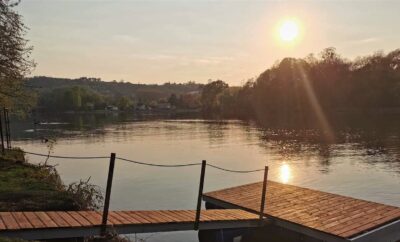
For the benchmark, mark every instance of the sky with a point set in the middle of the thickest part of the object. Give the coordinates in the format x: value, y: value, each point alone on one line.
x: 196, y: 40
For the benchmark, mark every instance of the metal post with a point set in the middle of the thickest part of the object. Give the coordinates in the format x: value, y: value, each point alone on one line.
x: 200, y: 196
x: 263, y: 194
x: 7, y: 127
x: 1, y: 135
x: 108, y: 194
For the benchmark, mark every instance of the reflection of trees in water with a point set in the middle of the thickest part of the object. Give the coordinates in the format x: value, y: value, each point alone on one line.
x: 216, y: 131
x: 375, y: 141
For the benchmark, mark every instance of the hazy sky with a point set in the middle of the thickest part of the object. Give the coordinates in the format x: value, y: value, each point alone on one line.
x: 178, y: 41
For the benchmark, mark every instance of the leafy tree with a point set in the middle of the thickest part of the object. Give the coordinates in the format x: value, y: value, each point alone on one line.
x: 173, y: 100
x: 299, y: 90
x: 210, y: 96
x: 15, y: 61
x: 123, y: 103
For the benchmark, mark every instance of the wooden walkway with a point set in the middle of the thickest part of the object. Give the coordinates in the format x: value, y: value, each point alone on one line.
x: 48, y: 225
x: 322, y: 215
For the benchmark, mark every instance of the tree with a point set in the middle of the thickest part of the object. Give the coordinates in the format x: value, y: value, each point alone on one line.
x: 15, y: 61
x: 173, y: 100
x: 123, y: 103
x: 210, y: 96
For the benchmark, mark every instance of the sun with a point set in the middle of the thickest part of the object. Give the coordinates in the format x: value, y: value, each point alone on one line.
x: 289, y: 31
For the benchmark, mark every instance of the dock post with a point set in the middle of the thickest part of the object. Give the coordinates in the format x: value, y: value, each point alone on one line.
x: 108, y: 194
x: 1, y: 135
x: 263, y: 194
x: 7, y: 126
x: 200, y: 196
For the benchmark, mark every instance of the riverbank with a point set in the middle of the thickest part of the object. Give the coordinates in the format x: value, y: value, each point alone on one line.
x: 29, y: 187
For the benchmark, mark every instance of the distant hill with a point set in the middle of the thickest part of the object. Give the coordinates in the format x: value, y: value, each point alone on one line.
x: 113, y: 88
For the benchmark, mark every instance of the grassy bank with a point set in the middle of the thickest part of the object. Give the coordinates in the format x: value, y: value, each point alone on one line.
x: 28, y: 187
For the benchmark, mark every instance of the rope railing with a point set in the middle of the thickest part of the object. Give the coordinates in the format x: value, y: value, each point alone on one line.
x: 158, y: 165
x: 142, y: 163
x: 203, y: 165
x: 67, y: 157
x: 233, y: 171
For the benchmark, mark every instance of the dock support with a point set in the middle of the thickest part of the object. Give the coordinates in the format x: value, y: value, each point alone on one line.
x: 200, y: 196
x: 108, y: 194
x: 263, y: 193
x: 1, y: 135
x: 7, y: 127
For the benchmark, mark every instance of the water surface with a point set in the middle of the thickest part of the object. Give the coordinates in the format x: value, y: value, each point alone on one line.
x: 362, y: 163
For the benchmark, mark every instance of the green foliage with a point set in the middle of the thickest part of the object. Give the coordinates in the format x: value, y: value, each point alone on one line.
x: 82, y: 94
x: 72, y: 98
x: 28, y: 187
x: 15, y: 61
x: 92, y: 93
x: 210, y: 96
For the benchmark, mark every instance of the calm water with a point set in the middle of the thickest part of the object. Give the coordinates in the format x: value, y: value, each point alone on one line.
x: 363, y: 162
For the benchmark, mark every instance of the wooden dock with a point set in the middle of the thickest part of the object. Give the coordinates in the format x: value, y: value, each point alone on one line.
x: 51, y: 225
x: 320, y: 215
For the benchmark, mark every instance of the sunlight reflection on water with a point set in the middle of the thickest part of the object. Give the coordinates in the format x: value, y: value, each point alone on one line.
x: 285, y: 174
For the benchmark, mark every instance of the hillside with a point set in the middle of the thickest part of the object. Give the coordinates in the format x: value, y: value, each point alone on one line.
x: 83, y: 94
x: 112, y: 88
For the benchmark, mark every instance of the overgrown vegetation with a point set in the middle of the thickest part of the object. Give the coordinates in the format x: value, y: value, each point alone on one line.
x: 28, y: 187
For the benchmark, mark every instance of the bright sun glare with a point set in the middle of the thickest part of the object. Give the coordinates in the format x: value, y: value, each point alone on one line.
x: 289, y: 30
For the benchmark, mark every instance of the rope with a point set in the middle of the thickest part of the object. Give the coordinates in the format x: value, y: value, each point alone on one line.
x: 143, y: 163
x: 234, y: 171
x: 158, y: 165
x: 68, y: 157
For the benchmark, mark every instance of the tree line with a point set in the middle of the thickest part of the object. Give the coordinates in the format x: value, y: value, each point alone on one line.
x: 83, y: 94
x: 303, y: 88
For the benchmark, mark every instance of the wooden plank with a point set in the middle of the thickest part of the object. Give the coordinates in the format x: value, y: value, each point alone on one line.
x: 90, y: 217
x: 167, y: 216
x: 9, y: 220
x: 137, y: 215
x: 175, y: 217
x: 78, y: 217
x: 120, y: 218
x: 22, y: 220
x: 182, y: 216
x: 45, y: 219
x: 34, y: 220
x: 186, y: 214
x: 329, y: 213
x: 69, y: 219
x: 154, y: 218
x: 2, y: 225
x: 127, y: 216
x: 57, y: 219
x: 111, y: 220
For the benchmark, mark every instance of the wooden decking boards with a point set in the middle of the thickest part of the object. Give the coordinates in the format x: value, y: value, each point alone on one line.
x: 64, y: 224
x: 320, y: 215
x: 340, y: 216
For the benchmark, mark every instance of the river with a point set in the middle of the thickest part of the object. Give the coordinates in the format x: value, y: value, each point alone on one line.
x: 364, y: 163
